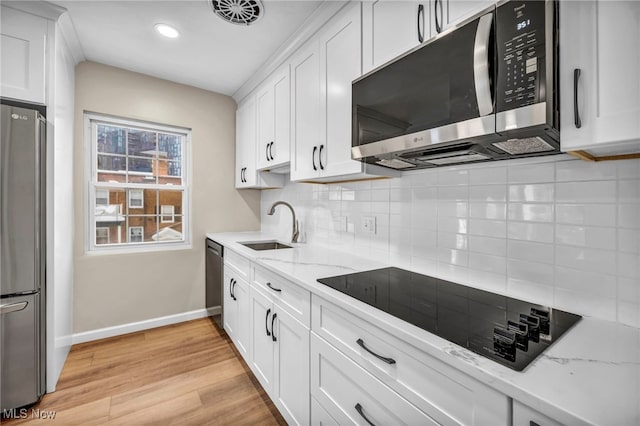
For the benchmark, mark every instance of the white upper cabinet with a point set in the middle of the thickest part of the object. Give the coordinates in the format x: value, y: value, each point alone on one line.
x: 449, y: 12
x: 22, y: 49
x: 599, y: 83
x: 391, y: 28
x: 305, y: 112
x: 246, y: 174
x: 341, y: 63
x: 274, y: 121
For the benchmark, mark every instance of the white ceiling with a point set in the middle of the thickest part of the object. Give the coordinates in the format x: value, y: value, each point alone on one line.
x: 211, y: 54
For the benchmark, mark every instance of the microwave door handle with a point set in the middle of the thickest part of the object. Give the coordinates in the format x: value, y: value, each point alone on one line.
x: 481, y: 67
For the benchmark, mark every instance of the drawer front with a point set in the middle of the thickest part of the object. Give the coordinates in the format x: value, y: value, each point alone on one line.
x: 526, y: 416
x: 320, y: 416
x: 444, y: 393
x: 350, y: 395
x: 240, y: 263
x: 289, y: 296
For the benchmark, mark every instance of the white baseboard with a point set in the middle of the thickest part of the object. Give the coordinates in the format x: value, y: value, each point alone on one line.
x: 117, y: 330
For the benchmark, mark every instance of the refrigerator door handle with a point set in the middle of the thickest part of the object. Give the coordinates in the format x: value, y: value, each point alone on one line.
x: 12, y: 307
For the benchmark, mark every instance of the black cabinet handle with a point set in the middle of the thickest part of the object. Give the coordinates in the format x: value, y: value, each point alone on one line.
x: 273, y: 288
x: 313, y: 157
x: 387, y: 360
x: 273, y: 333
x: 271, y: 150
x: 266, y: 151
x: 420, y: 21
x: 320, y: 157
x: 266, y: 322
x: 359, y: 410
x: 532, y: 423
x: 231, y: 288
x: 576, y: 112
x: 435, y: 11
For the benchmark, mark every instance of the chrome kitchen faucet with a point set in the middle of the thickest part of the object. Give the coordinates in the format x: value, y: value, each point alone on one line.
x: 296, y: 228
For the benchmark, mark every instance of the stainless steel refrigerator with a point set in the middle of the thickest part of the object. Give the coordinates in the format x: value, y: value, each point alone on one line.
x: 22, y: 252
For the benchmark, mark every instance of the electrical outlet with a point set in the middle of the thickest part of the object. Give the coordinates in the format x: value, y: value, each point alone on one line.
x: 369, y: 224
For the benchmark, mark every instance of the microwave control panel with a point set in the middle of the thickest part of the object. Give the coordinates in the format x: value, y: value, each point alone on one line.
x: 520, y: 39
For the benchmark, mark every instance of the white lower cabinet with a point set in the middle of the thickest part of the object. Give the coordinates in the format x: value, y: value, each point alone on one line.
x: 526, y: 416
x: 280, y: 356
x: 444, y: 393
x: 351, y: 395
x: 237, y: 310
x: 320, y: 416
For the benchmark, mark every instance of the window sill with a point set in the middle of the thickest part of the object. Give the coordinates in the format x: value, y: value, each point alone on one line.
x: 105, y: 251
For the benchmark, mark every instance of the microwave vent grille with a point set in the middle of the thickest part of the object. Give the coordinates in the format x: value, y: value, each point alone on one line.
x: 524, y: 146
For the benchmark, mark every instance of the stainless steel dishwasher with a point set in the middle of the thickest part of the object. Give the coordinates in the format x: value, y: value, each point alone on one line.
x: 214, y: 271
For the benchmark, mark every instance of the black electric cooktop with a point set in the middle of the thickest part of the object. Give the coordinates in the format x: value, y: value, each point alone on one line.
x: 509, y: 331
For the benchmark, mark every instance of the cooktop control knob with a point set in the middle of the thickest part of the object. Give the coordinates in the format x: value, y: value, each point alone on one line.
x: 534, y: 326
x: 504, y: 343
x: 545, y: 328
x: 521, y: 332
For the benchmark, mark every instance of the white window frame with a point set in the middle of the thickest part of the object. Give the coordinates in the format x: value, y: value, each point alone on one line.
x: 171, y: 215
x: 103, y: 228
x: 131, y: 228
x: 92, y: 186
x: 130, y: 203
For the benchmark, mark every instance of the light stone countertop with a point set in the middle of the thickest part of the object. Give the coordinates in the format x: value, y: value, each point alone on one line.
x: 590, y: 375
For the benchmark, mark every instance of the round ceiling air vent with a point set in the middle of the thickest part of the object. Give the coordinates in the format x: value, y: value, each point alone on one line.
x: 241, y: 12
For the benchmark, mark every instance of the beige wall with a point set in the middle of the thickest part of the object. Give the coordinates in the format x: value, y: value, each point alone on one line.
x: 115, y: 289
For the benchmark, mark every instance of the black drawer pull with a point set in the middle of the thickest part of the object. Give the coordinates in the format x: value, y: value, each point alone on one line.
x: 420, y: 23
x: 576, y: 112
x: 266, y: 151
x: 271, y: 151
x: 313, y: 157
x: 273, y: 332
x: 359, y: 410
x: 266, y: 321
x: 234, y: 289
x: 532, y: 423
x: 273, y: 288
x: 320, y: 157
x: 387, y: 360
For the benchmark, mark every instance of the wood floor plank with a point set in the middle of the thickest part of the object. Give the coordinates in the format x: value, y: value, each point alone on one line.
x: 187, y: 373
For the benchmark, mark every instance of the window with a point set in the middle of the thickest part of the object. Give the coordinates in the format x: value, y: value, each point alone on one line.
x: 136, y: 199
x: 137, y: 181
x: 136, y: 234
x: 167, y: 214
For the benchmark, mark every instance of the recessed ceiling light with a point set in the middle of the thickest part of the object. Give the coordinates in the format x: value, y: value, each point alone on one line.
x: 167, y: 30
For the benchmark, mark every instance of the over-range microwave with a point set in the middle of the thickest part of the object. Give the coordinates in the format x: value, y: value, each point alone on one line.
x: 486, y: 89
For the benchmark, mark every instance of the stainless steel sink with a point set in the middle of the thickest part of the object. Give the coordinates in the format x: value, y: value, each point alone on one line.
x: 265, y: 245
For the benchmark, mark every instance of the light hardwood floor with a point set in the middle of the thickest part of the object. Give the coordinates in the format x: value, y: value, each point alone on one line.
x: 187, y: 374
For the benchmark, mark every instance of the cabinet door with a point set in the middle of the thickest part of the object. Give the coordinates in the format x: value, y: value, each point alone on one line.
x: 22, y: 60
x: 279, y: 150
x: 230, y: 307
x: 391, y: 28
x: 243, y: 325
x: 341, y: 63
x: 246, y: 175
x: 305, y: 112
x: 450, y: 12
x: 261, y: 339
x: 292, y: 368
x: 265, y: 100
x: 603, y: 44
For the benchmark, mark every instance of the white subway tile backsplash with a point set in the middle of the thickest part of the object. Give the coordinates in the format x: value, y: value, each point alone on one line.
x: 531, y: 212
x: 586, y: 236
x: 480, y: 176
x: 531, y: 251
x: 599, y: 285
x: 570, y: 171
x: 530, y: 271
x: 629, y: 191
x: 538, y: 232
x: 629, y: 216
x: 487, y: 245
x: 586, y: 192
x: 587, y: 259
x: 586, y: 214
x: 489, y: 228
x: 555, y: 231
x: 531, y: 173
x: 542, y: 193
x: 488, y: 210
x: 488, y: 193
